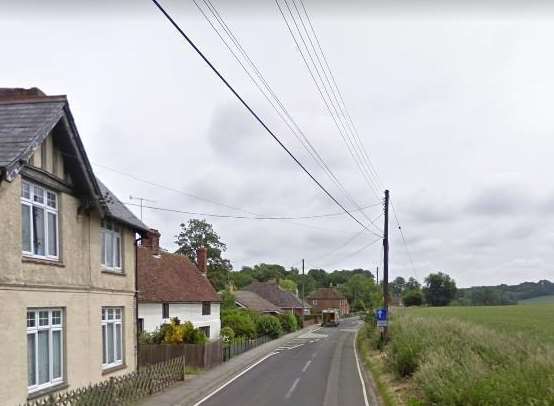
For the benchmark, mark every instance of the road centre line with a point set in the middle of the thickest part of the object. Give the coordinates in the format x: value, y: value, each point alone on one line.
x: 233, y: 379
x: 292, y: 388
x: 360, y: 370
x: 306, y: 366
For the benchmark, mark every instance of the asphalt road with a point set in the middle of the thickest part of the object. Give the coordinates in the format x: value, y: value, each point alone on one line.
x: 316, y: 369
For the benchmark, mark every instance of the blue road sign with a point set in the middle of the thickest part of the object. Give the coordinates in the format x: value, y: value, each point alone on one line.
x: 382, y: 314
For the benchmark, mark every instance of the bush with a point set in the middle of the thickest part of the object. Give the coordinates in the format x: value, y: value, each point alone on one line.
x: 228, y: 334
x: 268, y: 325
x: 288, y: 322
x: 182, y: 333
x: 412, y: 298
x: 240, y: 322
x: 299, y: 322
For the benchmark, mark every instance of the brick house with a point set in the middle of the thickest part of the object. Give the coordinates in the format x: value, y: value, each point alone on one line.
x: 328, y: 298
x: 67, y: 265
x: 170, y: 285
x: 272, y: 292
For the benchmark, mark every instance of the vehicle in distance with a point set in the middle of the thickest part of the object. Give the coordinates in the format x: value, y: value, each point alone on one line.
x: 330, y: 318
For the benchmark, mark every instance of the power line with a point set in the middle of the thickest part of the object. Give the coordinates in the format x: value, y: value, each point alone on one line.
x: 316, y: 216
x: 330, y: 104
x: 353, y: 254
x: 404, y: 239
x: 274, y: 101
x: 255, y: 115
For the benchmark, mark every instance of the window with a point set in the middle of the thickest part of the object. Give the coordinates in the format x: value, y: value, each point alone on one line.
x: 165, y: 310
x: 44, y: 348
x: 112, y: 337
x: 205, y: 330
x: 111, y: 246
x: 39, y: 221
x: 206, y: 308
x: 140, y: 326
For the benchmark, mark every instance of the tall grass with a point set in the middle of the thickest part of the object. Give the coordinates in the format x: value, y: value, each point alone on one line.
x: 453, y: 362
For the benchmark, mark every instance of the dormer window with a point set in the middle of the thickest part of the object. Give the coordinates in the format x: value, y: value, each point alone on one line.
x: 111, y: 246
x: 39, y: 221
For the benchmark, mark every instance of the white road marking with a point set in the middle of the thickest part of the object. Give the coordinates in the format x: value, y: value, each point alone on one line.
x: 306, y: 366
x: 292, y: 388
x: 233, y: 379
x: 296, y: 346
x: 360, y: 371
x: 314, y: 355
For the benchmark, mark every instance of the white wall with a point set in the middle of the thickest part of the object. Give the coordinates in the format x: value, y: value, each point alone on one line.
x: 152, y: 315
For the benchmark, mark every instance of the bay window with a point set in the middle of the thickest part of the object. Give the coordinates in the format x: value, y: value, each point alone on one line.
x: 39, y: 221
x: 44, y: 348
x: 112, y: 337
x: 111, y: 246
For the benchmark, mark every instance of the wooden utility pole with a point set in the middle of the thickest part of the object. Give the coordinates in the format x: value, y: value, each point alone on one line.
x: 303, y: 305
x: 377, y: 276
x: 386, y: 259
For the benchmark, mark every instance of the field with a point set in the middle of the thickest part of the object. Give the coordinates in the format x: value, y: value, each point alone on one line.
x: 534, y: 320
x: 538, y: 300
x: 501, y: 355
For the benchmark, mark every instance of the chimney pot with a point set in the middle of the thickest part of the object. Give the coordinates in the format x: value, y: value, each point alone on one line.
x: 202, y: 260
x: 152, y: 241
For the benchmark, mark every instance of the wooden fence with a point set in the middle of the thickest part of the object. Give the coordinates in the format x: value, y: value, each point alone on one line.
x: 196, y: 355
x: 122, y: 390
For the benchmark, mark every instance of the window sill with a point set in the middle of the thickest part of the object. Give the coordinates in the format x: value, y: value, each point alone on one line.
x: 113, y: 272
x: 109, y: 370
x: 47, y: 391
x: 41, y: 261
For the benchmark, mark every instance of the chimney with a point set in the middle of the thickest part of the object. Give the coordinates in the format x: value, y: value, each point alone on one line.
x: 152, y: 241
x: 20, y: 93
x: 202, y: 260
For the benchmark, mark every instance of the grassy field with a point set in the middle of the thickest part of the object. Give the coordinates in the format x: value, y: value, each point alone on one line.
x: 470, y: 355
x: 534, y: 320
x: 538, y: 300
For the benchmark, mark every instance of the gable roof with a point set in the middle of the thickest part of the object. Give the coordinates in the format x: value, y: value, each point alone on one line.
x: 27, y: 117
x: 255, y: 302
x: 171, y: 278
x: 271, y: 292
x: 326, y: 293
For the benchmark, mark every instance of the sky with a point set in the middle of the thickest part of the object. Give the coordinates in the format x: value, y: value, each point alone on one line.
x: 453, y: 105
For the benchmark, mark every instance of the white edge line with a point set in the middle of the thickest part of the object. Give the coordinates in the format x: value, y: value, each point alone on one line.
x: 360, y: 370
x: 233, y: 379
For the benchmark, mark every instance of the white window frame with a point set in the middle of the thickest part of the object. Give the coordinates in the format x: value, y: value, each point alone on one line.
x: 51, y: 327
x: 30, y: 202
x: 116, y: 319
x: 114, y: 231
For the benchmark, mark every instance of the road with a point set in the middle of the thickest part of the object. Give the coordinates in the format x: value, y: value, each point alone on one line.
x: 315, y: 369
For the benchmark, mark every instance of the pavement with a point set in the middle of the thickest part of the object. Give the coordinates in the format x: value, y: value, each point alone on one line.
x: 312, y: 367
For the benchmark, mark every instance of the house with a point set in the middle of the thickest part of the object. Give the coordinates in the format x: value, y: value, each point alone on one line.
x: 328, y: 298
x: 246, y: 299
x: 273, y: 293
x: 67, y: 266
x: 170, y: 285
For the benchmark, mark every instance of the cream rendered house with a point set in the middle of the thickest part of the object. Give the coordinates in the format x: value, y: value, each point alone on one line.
x: 67, y: 265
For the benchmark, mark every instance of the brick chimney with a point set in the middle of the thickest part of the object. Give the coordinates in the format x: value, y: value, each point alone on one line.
x: 152, y: 241
x: 202, y: 260
x: 20, y: 93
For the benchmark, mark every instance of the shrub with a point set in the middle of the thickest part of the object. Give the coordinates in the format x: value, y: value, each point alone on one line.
x: 228, y: 334
x: 412, y: 298
x: 288, y: 322
x: 240, y: 322
x: 268, y: 325
x: 299, y: 322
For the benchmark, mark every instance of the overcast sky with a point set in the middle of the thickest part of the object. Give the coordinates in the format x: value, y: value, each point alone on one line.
x: 453, y: 105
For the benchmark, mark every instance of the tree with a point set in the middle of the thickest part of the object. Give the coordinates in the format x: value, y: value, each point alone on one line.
x: 199, y: 233
x: 439, y: 289
x: 288, y: 285
x: 397, y: 286
x: 412, y: 284
x: 412, y: 297
x: 360, y: 291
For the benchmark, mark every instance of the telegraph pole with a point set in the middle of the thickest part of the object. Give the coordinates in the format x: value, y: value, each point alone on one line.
x: 386, y: 259
x: 377, y: 276
x: 303, y: 305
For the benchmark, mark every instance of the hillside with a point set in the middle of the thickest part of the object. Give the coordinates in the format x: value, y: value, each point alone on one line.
x: 504, y: 294
x: 538, y: 300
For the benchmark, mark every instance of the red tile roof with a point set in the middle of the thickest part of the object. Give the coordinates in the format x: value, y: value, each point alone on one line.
x: 171, y: 278
x: 326, y: 293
